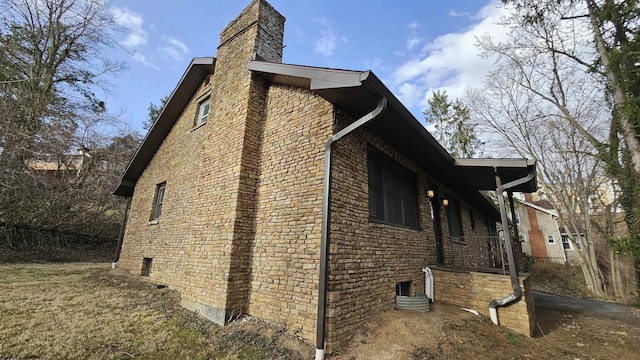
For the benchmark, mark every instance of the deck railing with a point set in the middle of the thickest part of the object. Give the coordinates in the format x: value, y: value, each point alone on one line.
x: 477, y: 252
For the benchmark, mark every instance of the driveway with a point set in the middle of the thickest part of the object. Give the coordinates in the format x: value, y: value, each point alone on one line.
x: 592, y: 307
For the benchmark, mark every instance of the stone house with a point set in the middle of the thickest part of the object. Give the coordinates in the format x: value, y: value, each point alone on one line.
x: 305, y: 196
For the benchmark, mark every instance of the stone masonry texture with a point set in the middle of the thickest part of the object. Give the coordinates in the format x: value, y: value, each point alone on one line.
x: 475, y: 290
x: 241, y: 220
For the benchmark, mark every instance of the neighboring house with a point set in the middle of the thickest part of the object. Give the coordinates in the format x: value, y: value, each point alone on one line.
x: 57, y: 165
x: 538, y: 228
x: 227, y: 204
x: 570, y: 247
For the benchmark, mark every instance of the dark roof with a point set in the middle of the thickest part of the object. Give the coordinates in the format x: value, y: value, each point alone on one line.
x: 545, y: 204
x: 356, y: 93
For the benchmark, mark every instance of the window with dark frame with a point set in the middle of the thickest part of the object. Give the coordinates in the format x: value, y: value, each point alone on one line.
x: 403, y: 288
x: 392, y: 192
x: 158, y: 200
x: 203, y: 112
x: 472, y: 219
x: 454, y: 219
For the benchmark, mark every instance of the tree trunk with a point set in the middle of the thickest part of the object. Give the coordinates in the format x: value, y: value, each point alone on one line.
x: 629, y: 133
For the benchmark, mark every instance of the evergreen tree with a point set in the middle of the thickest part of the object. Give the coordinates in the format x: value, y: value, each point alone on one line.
x: 452, y: 120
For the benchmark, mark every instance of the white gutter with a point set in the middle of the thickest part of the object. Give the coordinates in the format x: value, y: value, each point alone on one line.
x: 513, y: 272
x: 324, y: 242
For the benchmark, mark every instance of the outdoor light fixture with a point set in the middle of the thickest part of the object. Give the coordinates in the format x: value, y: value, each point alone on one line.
x: 430, y: 194
x: 445, y: 202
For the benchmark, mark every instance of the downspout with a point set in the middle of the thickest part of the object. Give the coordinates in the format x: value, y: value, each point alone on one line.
x: 516, y: 232
x: 513, y: 272
x: 121, y: 235
x: 324, y: 242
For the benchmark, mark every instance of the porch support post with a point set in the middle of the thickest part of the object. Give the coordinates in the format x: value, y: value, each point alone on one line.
x: 516, y: 233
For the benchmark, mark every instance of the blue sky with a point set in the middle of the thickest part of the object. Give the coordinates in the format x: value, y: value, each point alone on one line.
x: 414, y: 46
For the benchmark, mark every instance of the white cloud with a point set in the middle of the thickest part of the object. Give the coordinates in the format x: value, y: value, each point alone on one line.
x: 171, y: 52
x: 456, y: 13
x: 412, y: 42
x: 178, y: 44
x: 326, y: 44
x: 375, y: 64
x: 414, y: 39
x: 410, y: 93
x: 450, y: 61
x: 132, y: 22
x: 143, y: 59
x: 174, y: 48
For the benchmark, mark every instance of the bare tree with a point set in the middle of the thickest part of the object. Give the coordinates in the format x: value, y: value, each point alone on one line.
x: 593, y: 42
x: 567, y: 169
x: 58, y: 163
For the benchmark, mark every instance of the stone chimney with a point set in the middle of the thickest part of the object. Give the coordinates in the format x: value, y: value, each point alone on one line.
x: 258, y: 29
x: 238, y: 99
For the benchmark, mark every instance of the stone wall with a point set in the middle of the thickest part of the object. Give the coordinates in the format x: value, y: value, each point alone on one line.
x: 286, y: 251
x: 200, y: 244
x: 240, y: 224
x: 475, y: 290
x: 367, y: 259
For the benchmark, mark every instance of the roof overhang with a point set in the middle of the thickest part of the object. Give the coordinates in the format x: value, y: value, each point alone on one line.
x: 539, y: 208
x: 198, y: 70
x: 358, y: 92
x: 484, y: 171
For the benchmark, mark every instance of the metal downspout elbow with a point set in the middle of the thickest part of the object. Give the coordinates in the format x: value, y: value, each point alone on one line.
x: 517, y: 292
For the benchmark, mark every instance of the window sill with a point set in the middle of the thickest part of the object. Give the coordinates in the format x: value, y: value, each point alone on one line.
x: 459, y: 242
x: 198, y: 126
x: 380, y: 222
x: 153, y: 222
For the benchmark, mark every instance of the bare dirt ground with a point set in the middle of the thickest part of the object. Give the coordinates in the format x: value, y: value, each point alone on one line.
x: 447, y: 332
x: 86, y: 311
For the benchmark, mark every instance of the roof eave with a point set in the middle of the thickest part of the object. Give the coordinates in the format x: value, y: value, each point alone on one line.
x: 197, y: 70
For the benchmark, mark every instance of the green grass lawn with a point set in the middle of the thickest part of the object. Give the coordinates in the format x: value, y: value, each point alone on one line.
x: 81, y: 311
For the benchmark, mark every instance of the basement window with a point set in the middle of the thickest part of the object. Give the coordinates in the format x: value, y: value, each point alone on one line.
x: 403, y: 288
x: 146, y: 266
